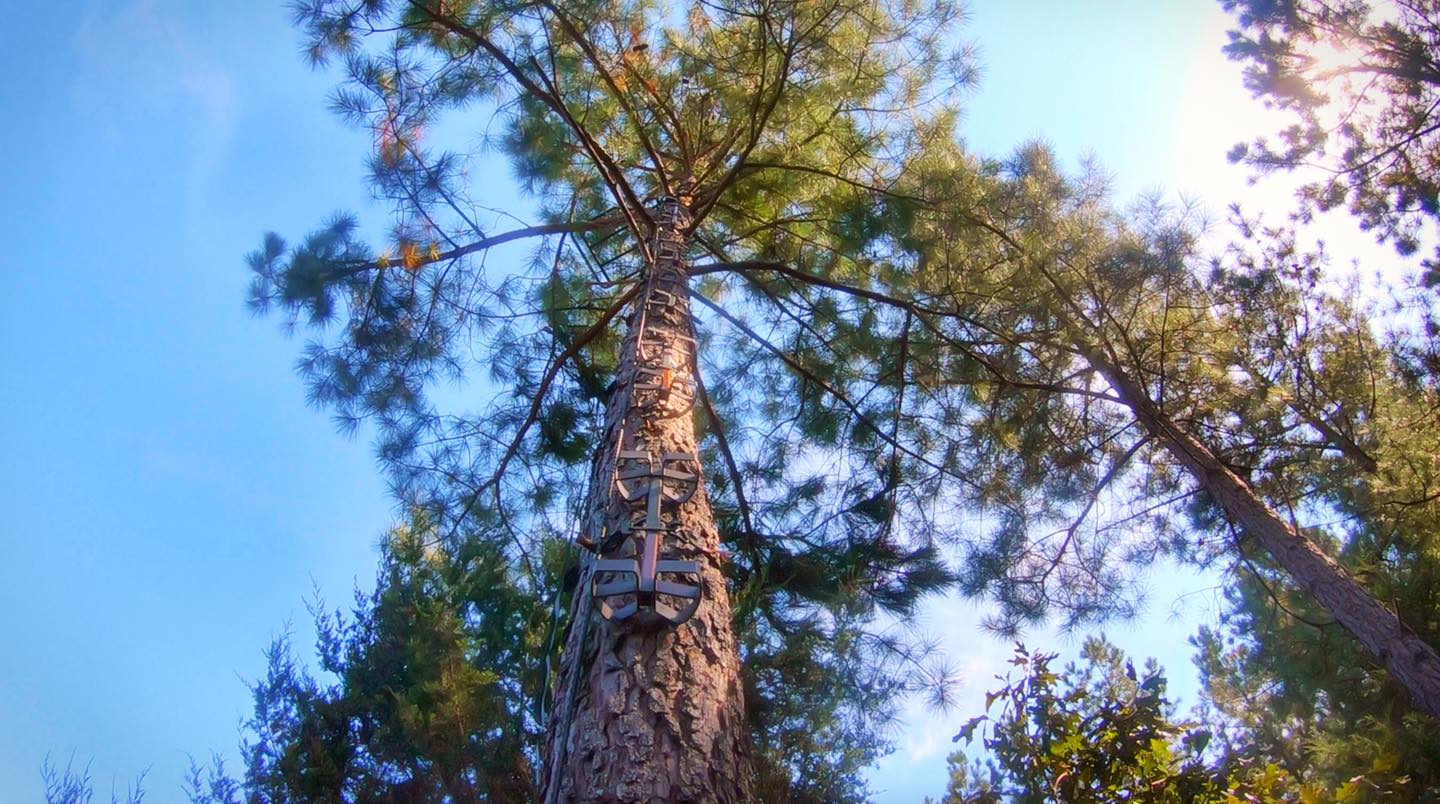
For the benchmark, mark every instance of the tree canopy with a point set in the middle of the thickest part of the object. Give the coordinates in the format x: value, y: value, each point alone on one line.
x: 906, y: 351
x: 775, y: 123
x: 1361, y: 83
x: 1097, y: 732
x: 834, y: 97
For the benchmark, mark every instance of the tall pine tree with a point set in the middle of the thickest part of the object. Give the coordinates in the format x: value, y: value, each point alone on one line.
x: 1116, y: 365
x: 748, y: 132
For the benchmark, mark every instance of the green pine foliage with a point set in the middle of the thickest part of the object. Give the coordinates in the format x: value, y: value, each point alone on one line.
x: 1016, y: 271
x: 901, y: 349
x: 780, y: 121
x: 427, y: 691
x: 1360, y: 82
x: 1328, y: 418
x: 1306, y: 391
x: 1287, y: 683
x: 1052, y: 313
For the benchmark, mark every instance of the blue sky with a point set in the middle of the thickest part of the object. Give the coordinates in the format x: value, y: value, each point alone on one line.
x: 168, y: 499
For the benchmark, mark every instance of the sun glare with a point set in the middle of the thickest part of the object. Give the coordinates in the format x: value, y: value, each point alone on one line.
x: 1330, y: 61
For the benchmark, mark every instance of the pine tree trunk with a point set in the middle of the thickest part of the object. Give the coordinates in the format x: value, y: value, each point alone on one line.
x: 1411, y: 660
x: 647, y: 710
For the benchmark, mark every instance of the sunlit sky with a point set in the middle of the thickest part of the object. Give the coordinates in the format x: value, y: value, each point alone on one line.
x: 169, y: 502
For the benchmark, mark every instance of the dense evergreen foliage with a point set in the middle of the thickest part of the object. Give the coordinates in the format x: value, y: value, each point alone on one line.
x: 1294, y: 688
x: 1100, y: 731
x: 1300, y: 388
x: 1361, y: 82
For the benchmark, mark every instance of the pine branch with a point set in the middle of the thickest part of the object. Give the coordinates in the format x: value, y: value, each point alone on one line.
x: 731, y: 466
x: 923, y: 314
x: 830, y: 174
x: 589, y: 50
x: 543, y: 230
x: 835, y: 393
x: 614, y: 177
x: 759, y: 119
x: 533, y: 414
x: 1094, y: 496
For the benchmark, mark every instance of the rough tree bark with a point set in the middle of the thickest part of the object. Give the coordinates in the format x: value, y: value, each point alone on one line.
x: 644, y: 710
x: 1412, y: 661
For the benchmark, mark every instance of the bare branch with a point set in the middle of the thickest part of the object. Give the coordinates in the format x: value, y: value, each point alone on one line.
x: 542, y: 230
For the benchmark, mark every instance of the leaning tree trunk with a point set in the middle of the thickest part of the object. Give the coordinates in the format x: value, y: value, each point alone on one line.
x: 1409, y: 658
x: 648, y: 707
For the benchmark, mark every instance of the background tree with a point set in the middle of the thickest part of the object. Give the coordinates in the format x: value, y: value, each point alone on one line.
x: 433, y: 687
x: 1085, y: 330
x: 1099, y: 732
x: 436, y: 679
x: 760, y: 131
x: 428, y: 693
x: 1288, y: 682
x: 1361, y: 83
x: 72, y: 786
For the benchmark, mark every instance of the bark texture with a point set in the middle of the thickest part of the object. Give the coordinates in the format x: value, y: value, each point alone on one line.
x: 645, y: 710
x: 1411, y: 660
